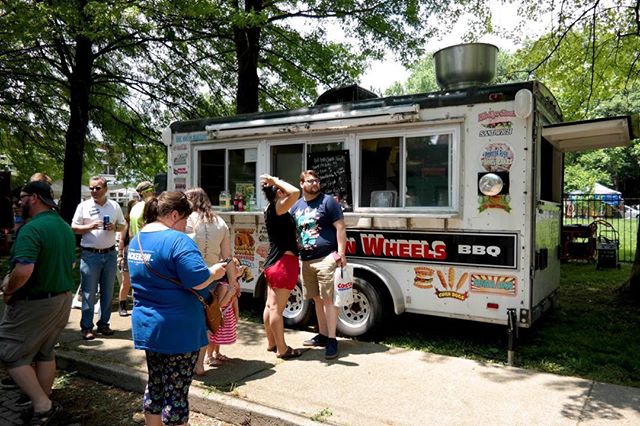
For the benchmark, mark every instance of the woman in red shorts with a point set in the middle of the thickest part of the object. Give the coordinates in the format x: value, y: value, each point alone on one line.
x: 281, y: 268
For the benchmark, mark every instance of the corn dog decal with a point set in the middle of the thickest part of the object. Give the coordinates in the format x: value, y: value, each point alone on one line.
x: 450, y: 287
x: 462, y: 280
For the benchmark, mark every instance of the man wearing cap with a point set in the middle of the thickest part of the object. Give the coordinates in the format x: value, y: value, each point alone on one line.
x: 97, y: 220
x: 146, y: 191
x: 38, y: 298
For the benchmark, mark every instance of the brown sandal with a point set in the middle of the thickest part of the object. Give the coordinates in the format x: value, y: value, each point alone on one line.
x: 272, y: 349
x: 290, y: 353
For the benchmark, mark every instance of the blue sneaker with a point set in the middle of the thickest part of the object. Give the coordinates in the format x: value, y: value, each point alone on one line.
x: 331, y: 350
x: 317, y: 340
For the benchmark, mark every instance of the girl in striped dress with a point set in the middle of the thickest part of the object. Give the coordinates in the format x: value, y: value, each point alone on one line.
x: 227, y: 296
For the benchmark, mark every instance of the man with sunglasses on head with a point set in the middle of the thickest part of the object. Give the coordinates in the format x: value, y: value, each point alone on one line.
x: 322, y: 238
x: 97, y: 220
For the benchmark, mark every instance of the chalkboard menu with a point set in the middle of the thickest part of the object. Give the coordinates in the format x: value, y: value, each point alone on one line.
x: 334, y: 170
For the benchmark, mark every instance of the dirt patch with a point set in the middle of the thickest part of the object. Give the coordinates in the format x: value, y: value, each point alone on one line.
x: 90, y: 403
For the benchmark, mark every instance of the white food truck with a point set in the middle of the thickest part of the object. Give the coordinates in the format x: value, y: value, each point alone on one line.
x: 452, y: 199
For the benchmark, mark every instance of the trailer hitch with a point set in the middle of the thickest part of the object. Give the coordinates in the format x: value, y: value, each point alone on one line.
x: 512, y: 332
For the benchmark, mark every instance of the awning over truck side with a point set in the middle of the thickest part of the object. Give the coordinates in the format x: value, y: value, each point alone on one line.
x: 592, y: 134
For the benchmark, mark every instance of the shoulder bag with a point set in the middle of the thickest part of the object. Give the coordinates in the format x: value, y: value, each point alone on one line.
x: 212, y: 312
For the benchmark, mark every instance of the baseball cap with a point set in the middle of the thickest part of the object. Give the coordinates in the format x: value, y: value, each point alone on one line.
x: 43, y: 191
x: 144, y: 186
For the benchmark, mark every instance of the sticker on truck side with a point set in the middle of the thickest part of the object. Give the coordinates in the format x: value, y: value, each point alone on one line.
x: 450, y: 248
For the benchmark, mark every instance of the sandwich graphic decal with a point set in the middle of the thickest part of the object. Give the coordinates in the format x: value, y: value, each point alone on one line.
x: 423, y: 277
x: 496, y: 123
x: 452, y: 287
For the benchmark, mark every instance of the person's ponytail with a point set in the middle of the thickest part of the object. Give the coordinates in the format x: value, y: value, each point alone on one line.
x: 150, y: 212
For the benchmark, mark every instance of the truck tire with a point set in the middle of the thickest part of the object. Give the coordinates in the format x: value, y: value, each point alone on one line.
x: 364, y: 315
x: 298, y: 311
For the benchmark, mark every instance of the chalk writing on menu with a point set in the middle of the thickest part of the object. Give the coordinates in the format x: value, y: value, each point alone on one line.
x: 334, y: 170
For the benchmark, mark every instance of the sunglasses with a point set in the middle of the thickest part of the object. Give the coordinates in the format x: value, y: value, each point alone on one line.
x: 95, y: 188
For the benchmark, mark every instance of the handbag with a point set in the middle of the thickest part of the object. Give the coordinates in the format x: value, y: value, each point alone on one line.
x: 212, y: 312
x: 342, y: 287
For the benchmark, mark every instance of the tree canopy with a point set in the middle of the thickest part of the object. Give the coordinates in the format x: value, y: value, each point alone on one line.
x: 84, y: 79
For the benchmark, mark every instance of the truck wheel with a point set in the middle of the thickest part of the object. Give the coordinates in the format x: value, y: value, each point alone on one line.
x: 298, y: 311
x: 364, y: 315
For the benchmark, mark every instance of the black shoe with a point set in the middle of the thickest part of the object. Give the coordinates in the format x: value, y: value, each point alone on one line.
x: 8, y: 383
x: 331, y: 351
x: 122, y: 309
x: 22, y: 401
x: 317, y: 340
x: 105, y: 330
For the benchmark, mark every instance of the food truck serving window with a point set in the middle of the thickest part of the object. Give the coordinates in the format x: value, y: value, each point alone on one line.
x: 232, y: 170
x: 410, y: 170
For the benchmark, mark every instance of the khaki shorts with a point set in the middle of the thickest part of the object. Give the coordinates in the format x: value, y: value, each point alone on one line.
x: 30, y: 329
x: 317, y: 277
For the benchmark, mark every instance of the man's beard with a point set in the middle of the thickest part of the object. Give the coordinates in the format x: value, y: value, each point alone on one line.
x: 313, y: 191
x: 26, y: 211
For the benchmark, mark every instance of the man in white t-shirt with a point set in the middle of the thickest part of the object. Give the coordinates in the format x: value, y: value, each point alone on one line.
x: 97, y: 220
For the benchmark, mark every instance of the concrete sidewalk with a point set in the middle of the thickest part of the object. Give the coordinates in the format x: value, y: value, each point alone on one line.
x: 368, y: 384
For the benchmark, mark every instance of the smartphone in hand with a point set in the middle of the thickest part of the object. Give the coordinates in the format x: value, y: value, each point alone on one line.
x: 226, y: 261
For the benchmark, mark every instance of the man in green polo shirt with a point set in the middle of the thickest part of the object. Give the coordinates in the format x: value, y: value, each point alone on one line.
x: 38, y: 298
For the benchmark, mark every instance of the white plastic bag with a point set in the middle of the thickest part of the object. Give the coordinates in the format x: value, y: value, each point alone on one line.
x: 76, y: 302
x: 342, y: 287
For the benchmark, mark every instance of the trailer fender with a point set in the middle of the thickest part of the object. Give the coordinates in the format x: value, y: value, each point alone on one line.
x: 390, y: 283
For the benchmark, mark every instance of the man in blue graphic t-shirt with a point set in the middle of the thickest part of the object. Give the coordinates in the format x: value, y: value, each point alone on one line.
x: 322, y: 237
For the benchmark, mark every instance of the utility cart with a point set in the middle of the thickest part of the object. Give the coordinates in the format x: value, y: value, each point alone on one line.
x: 607, y: 244
x: 578, y: 243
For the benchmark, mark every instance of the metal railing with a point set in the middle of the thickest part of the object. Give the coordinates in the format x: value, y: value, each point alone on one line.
x: 603, y: 219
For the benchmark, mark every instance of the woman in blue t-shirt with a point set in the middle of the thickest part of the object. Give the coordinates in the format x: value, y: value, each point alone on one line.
x: 167, y: 319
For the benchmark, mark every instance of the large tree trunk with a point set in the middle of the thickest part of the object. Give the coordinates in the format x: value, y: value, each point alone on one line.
x: 76, y: 136
x: 247, y: 41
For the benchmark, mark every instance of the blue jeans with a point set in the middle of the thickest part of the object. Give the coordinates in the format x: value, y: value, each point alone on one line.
x: 97, y: 268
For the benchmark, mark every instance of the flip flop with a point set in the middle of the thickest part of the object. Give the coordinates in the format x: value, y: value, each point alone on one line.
x: 290, y: 353
x: 272, y: 349
x: 44, y: 417
x: 215, y: 362
x: 221, y: 357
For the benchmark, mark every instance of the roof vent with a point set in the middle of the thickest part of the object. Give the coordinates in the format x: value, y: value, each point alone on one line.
x: 338, y: 95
